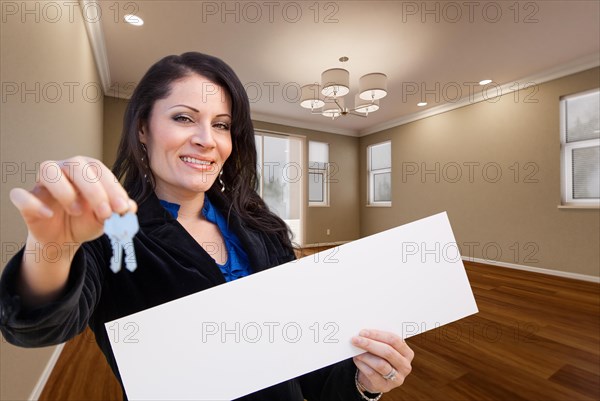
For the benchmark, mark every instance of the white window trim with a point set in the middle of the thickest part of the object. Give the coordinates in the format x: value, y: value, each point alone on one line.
x: 326, y: 177
x: 370, y: 178
x: 326, y: 184
x: 566, y: 160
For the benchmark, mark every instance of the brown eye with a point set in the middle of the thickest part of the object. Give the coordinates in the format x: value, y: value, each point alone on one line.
x: 182, y: 118
x: 222, y: 125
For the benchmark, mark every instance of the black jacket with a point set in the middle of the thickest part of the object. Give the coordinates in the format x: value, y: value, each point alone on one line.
x: 171, y: 264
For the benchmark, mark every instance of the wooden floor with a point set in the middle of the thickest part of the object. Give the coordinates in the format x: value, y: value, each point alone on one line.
x: 82, y: 373
x: 536, y: 337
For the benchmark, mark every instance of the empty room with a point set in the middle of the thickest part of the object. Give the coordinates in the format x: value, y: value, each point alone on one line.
x: 392, y: 200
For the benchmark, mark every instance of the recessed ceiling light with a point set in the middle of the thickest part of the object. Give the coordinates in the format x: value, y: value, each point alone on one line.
x: 421, y: 104
x: 485, y: 82
x: 133, y: 20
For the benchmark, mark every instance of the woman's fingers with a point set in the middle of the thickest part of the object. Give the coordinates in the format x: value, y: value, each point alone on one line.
x: 119, y: 199
x: 80, y: 180
x: 381, y: 338
x: 381, y: 368
x: 370, y: 379
x: 383, y: 350
x: 52, y: 177
x: 132, y: 206
x: 387, y: 355
x: 101, y: 189
x: 29, y: 205
x: 71, y: 200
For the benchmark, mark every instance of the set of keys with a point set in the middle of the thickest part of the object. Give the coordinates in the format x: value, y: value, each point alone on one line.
x: 121, y: 230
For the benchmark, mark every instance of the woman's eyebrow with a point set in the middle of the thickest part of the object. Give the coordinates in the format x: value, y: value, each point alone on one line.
x: 183, y: 105
x: 198, y: 111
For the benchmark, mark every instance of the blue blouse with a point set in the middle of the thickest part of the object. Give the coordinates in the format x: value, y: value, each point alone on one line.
x: 237, y: 264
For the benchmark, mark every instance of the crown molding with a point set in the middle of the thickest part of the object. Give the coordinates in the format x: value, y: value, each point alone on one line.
x: 573, y: 67
x: 96, y: 38
x: 302, y: 124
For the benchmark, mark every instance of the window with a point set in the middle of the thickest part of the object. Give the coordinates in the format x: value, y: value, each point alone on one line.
x: 280, y: 183
x: 580, y: 148
x: 379, y: 179
x: 318, y: 174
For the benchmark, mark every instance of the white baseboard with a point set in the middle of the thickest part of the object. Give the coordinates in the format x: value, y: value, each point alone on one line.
x: 319, y: 244
x: 39, y: 387
x: 576, y: 276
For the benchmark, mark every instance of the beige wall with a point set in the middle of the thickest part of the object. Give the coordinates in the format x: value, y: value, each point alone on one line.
x: 341, y: 217
x: 55, y: 126
x: 114, y: 111
x: 518, y: 219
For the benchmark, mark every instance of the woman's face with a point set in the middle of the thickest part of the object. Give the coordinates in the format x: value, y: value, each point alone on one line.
x: 188, y: 137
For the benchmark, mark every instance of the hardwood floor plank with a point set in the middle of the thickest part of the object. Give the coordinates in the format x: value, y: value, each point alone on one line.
x: 583, y: 307
x: 579, y: 380
x: 438, y: 371
x: 569, y: 355
x: 574, y: 336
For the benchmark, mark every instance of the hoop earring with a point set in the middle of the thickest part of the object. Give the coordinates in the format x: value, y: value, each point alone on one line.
x: 221, y: 181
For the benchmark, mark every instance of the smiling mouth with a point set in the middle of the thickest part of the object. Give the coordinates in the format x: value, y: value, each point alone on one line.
x: 196, y: 161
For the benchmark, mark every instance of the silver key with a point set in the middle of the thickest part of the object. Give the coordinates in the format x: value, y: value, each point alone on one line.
x: 121, y: 230
x: 115, y: 261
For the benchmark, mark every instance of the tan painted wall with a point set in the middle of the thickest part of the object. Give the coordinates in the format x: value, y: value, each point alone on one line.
x: 53, y: 53
x: 515, y: 222
x: 341, y: 217
x: 114, y: 111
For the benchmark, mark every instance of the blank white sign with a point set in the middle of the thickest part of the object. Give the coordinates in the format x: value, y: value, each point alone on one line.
x: 249, y: 334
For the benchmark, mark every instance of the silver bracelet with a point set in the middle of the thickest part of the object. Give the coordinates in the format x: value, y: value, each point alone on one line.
x: 361, y: 389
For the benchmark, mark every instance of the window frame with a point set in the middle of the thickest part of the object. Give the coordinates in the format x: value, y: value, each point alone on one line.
x: 371, y: 202
x: 566, y: 156
x: 326, y: 183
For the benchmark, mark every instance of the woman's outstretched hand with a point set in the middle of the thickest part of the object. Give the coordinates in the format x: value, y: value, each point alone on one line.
x: 386, y: 363
x: 71, y: 200
x: 66, y: 207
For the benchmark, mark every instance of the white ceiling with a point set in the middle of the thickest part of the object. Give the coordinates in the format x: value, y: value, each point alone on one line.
x: 289, y: 44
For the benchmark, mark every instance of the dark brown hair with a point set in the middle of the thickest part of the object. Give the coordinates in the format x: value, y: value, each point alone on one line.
x: 239, y: 172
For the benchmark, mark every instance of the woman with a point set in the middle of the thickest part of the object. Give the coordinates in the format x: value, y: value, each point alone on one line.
x: 187, y: 157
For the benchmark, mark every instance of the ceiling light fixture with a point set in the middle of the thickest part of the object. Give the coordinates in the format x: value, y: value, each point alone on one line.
x: 335, y: 84
x: 133, y: 20
x: 422, y: 104
x: 485, y: 82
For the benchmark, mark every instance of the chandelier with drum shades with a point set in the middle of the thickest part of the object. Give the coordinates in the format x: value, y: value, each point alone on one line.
x: 327, y: 99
